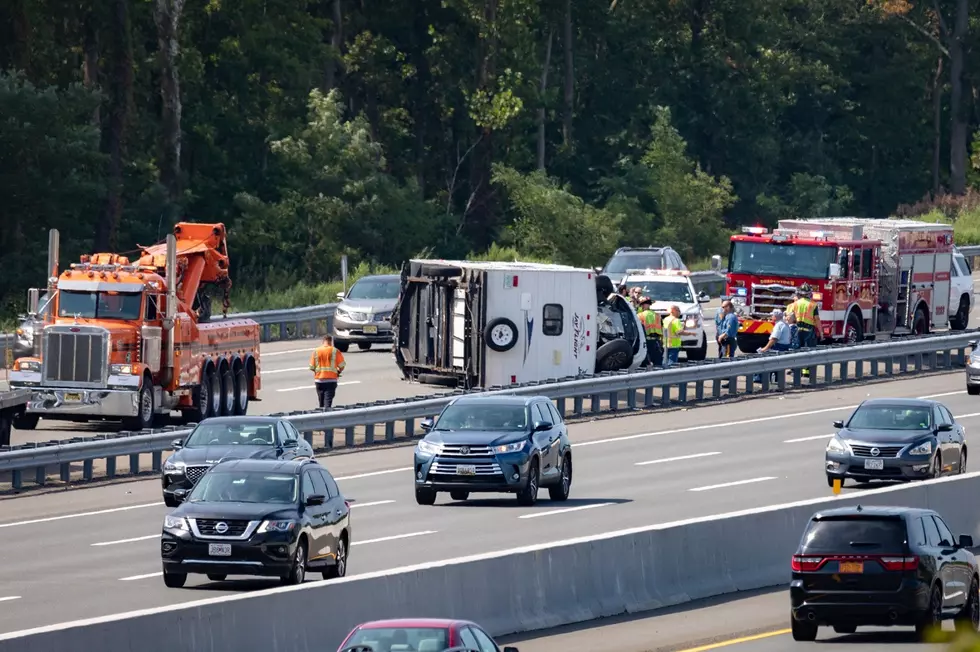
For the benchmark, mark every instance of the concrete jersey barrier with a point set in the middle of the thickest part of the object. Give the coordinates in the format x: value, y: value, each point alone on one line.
x: 512, y: 591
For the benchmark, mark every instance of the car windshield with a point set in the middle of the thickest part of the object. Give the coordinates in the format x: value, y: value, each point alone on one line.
x: 803, y: 261
x: 231, y: 434
x: 890, y: 417
x: 368, y: 288
x: 245, y: 487
x: 390, y: 639
x: 845, y: 533
x: 491, y: 416
x: 663, y: 290
x: 100, y: 305
x: 620, y: 264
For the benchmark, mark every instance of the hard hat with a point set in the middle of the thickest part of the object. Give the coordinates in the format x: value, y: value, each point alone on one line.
x: 644, y: 300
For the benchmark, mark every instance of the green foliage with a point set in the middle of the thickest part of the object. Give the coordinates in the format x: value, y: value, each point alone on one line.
x: 963, y: 212
x: 302, y: 294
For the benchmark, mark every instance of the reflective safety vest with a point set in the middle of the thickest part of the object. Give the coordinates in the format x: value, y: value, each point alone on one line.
x: 674, y: 325
x: 327, y: 363
x: 651, y: 323
x: 805, y: 311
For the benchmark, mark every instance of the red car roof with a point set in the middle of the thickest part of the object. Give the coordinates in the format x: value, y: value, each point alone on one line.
x: 434, y: 623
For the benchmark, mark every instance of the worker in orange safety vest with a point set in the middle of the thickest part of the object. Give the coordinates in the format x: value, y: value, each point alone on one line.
x: 326, y: 363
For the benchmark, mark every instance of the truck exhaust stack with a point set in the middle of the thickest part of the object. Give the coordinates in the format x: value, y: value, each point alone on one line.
x: 171, y: 310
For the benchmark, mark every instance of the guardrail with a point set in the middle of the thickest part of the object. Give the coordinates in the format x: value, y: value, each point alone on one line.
x: 574, y: 397
x: 520, y: 590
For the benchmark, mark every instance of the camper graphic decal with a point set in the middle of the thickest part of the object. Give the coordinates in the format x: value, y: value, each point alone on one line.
x: 578, y: 334
x: 528, y: 331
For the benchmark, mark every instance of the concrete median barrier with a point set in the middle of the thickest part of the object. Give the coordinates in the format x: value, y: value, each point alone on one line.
x: 508, y: 592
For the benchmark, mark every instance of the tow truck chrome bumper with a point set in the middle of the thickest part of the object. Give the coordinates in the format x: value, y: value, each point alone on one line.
x: 50, y: 401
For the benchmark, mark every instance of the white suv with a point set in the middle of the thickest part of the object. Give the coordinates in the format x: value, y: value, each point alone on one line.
x: 960, y: 292
x: 673, y: 287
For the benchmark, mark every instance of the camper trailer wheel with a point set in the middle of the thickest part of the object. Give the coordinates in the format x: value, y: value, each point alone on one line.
x: 613, y: 356
x: 500, y: 334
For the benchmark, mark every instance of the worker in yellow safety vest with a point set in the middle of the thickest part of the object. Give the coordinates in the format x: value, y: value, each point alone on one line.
x: 326, y: 363
x: 807, y: 316
x: 653, y: 330
x: 673, y: 330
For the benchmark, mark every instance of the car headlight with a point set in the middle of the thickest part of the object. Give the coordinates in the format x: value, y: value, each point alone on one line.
x: 343, y: 314
x: 429, y: 448
x: 120, y: 370
x: 276, y: 526
x: 692, y: 321
x: 175, y: 523
x: 29, y: 365
x: 516, y: 447
x: 975, y: 360
x: 925, y: 448
x: 382, y: 316
x: 835, y: 445
x: 173, y: 467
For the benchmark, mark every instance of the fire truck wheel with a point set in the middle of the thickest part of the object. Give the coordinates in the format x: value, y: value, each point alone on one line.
x: 241, y: 392
x: 24, y: 421
x: 500, y: 334
x: 853, y: 331
x: 920, y: 325
x: 227, y: 393
x: 145, y: 408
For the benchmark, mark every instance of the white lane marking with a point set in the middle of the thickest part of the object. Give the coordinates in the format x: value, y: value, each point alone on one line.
x: 677, y: 459
x: 943, y: 394
x: 140, y: 577
x: 64, y: 516
x: 566, y: 510
x: 371, y: 474
x: 311, y: 388
x: 285, y: 371
x: 9, y: 598
x: 112, y: 543
x: 732, y: 484
x: 395, y: 537
x: 289, y: 352
x: 799, y: 439
x: 377, y: 502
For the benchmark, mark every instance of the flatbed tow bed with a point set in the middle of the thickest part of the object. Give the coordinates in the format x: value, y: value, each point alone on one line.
x: 12, y: 403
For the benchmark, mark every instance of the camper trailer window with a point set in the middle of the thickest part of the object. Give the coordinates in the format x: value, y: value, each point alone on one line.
x: 552, y: 319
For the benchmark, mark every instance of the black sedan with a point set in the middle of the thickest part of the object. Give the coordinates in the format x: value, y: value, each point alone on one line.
x: 505, y: 444
x: 896, y: 439
x: 224, y: 438
x: 259, y: 517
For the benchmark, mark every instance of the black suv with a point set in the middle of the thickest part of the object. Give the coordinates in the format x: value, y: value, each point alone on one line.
x: 627, y: 258
x: 258, y: 517
x: 882, y: 566
x: 503, y: 444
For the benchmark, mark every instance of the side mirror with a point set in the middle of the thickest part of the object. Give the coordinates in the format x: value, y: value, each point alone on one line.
x: 177, y: 444
x: 833, y: 271
x: 180, y: 495
x: 426, y: 424
x: 341, y: 296
x: 33, y: 298
x: 716, y: 262
x: 290, y: 443
x: 542, y: 425
x: 944, y: 427
x: 966, y: 541
x: 838, y: 424
x: 703, y: 297
x: 315, y: 499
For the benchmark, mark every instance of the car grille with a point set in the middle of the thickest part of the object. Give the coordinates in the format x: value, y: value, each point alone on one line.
x: 483, y: 469
x: 206, y: 526
x: 883, y: 451
x: 461, y: 450
x: 195, y: 473
x: 765, y: 298
x: 76, y: 357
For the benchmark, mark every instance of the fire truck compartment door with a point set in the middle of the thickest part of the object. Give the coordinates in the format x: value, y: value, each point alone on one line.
x: 939, y: 302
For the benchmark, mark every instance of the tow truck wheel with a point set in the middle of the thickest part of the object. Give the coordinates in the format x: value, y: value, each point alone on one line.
x: 24, y: 421
x: 241, y: 392
x: 145, y: 409
x: 227, y: 393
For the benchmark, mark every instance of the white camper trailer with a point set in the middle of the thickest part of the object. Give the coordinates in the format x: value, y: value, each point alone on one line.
x: 486, y: 324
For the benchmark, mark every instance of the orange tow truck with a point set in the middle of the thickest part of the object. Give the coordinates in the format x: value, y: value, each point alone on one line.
x: 134, y: 341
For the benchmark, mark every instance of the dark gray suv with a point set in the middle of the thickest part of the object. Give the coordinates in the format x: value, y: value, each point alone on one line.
x: 364, y: 314
x: 627, y: 258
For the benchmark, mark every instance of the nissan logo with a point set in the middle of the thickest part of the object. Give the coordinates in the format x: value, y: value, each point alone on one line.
x: 465, y: 450
x: 875, y: 452
x: 222, y: 527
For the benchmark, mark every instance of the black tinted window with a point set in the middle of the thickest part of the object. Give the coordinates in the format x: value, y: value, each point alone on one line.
x: 542, y: 413
x: 554, y: 413
x: 552, y: 315
x: 332, y: 489
x: 932, y: 532
x: 851, y: 534
x: 319, y: 486
x: 619, y: 264
x: 945, y: 536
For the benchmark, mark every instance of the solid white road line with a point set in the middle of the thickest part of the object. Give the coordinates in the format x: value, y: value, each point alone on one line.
x: 140, y: 577
x: 112, y: 543
x: 9, y: 598
x: 289, y: 352
x: 377, y: 502
x: 677, y: 459
x: 395, y: 537
x: 371, y: 474
x: 799, y: 439
x: 566, y: 510
x: 290, y: 370
x: 64, y: 516
x: 311, y: 388
x: 732, y: 484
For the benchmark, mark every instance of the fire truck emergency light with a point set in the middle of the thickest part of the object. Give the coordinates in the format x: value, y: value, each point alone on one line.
x: 755, y: 230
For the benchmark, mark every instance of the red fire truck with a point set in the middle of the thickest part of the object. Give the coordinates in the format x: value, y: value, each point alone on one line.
x: 868, y: 276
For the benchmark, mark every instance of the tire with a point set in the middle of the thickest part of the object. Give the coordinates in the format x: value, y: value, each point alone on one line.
x: 933, y: 618
x: 968, y: 620
x: 25, y: 421
x: 528, y: 495
x: 341, y: 345
x: 425, y: 496
x: 459, y: 494
x: 339, y: 569
x: 920, y: 324
x: 972, y: 390
x: 830, y: 481
x: 700, y: 353
x: 364, y: 346
x: 170, y: 501
x: 147, y: 408
x: 853, y: 329
x: 803, y: 630
x: 217, y: 577
x: 241, y: 392
x: 500, y: 334
x: 5, y: 429
x: 614, y: 356
x: 214, y: 382
x: 845, y: 629
x: 750, y: 343
x: 227, y: 393
x: 961, y: 319
x: 961, y: 467
x: 174, y: 580
x: 203, y: 402
x: 297, y: 572
x: 936, y: 468
x: 560, y: 491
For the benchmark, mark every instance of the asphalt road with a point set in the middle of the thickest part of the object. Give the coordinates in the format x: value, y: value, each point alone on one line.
x: 92, y: 552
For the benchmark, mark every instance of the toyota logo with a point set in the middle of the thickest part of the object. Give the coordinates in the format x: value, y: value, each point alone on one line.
x: 875, y: 452
x: 221, y: 527
x: 465, y: 450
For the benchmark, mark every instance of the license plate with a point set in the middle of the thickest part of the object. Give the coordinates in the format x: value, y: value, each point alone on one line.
x: 874, y: 464
x: 852, y: 567
x: 219, y: 549
x: 73, y: 398
x: 370, y: 330
x: 468, y: 469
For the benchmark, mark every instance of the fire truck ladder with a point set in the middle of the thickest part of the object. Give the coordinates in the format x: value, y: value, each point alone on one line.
x: 903, y: 305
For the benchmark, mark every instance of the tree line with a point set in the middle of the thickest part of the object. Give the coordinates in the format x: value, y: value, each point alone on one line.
x: 541, y: 128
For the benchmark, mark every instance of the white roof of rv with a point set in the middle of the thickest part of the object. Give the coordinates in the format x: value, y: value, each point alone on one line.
x: 501, y: 265
x: 901, y: 225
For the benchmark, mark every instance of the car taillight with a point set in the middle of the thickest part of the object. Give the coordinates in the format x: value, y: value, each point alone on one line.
x: 804, y: 564
x: 899, y: 563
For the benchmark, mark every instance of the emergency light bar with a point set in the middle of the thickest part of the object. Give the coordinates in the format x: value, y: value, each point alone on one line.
x: 755, y: 230
x: 657, y: 272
